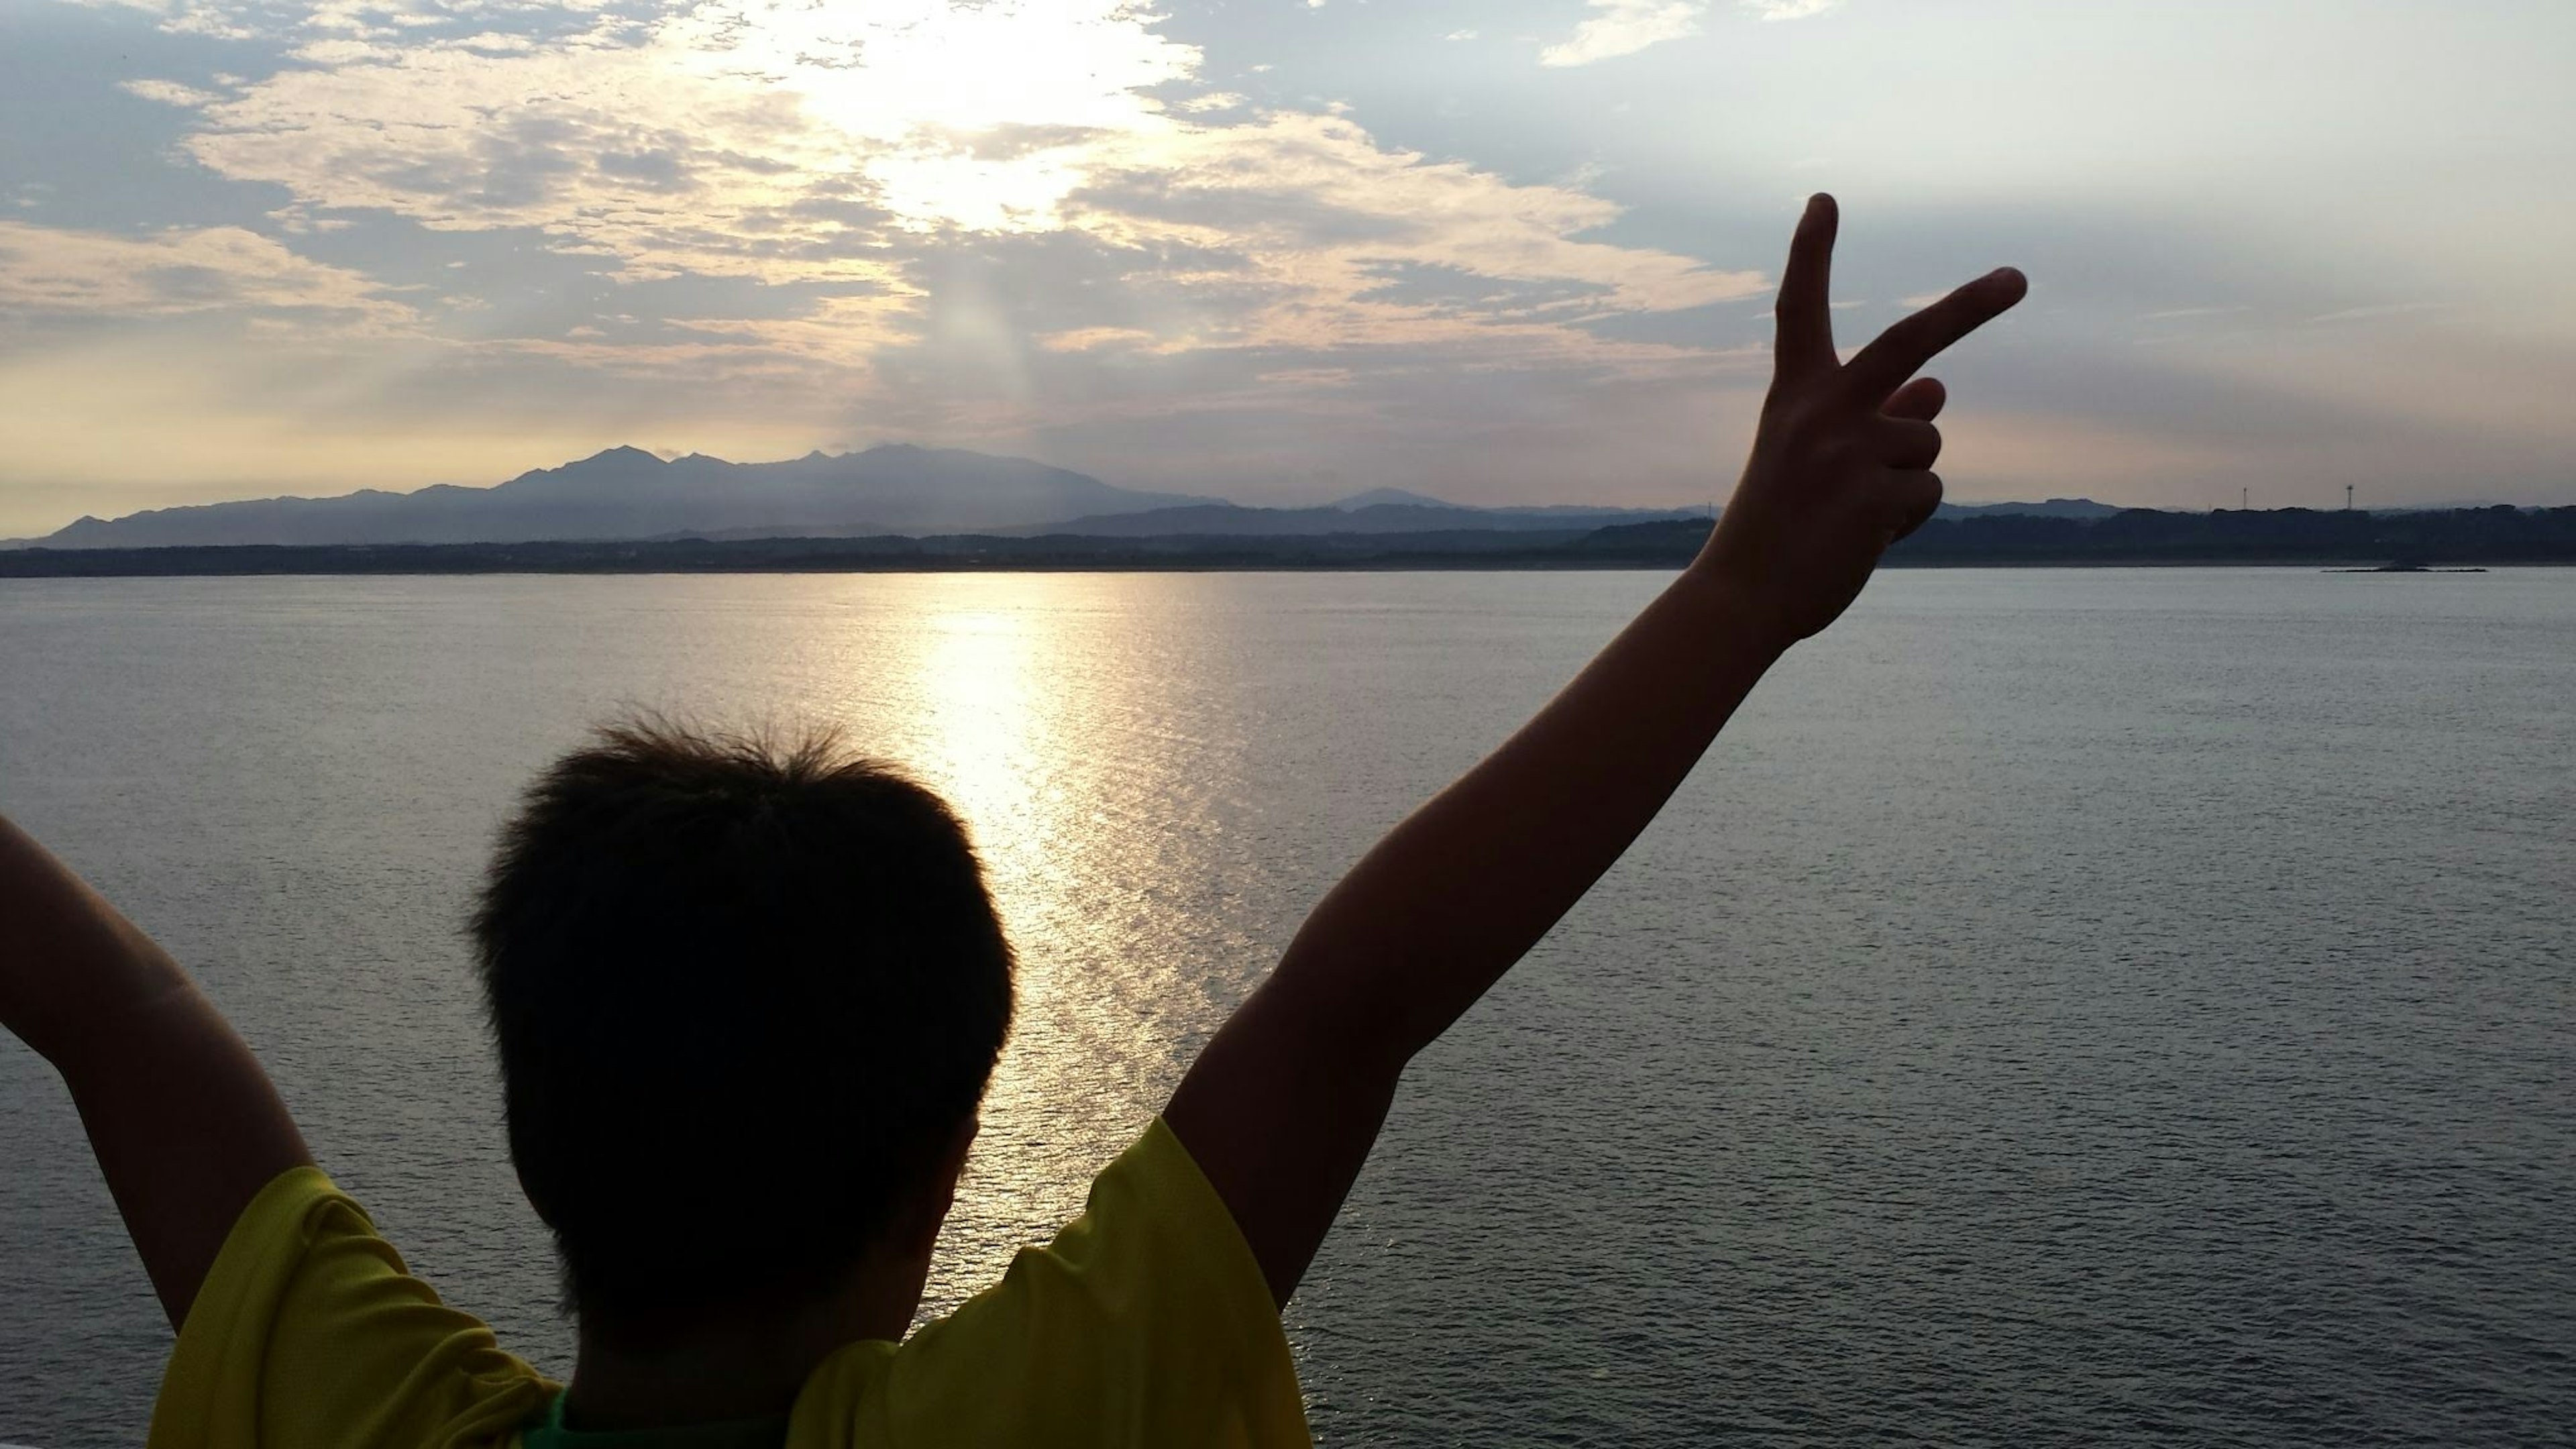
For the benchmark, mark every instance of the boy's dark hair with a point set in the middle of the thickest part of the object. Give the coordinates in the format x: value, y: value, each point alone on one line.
x: 745, y: 994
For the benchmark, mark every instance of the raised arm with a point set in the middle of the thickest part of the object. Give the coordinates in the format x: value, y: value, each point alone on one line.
x: 1282, y: 1107
x: 184, y: 1122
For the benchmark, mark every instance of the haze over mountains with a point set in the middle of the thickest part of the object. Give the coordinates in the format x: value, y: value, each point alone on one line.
x: 627, y: 493
x: 630, y: 494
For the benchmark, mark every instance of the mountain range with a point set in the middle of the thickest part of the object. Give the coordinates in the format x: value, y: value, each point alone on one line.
x: 627, y: 493
x: 894, y: 489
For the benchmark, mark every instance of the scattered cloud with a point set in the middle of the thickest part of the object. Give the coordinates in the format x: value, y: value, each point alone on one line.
x: 788, y: 146
x: 1624, y: 27
x: 170, y: 93
x: 2381, y: 309
x: 727, y: 137
x: 1787, y: 9
x: 54, y: 271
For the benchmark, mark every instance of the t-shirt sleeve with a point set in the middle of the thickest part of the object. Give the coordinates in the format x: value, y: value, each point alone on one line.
x: 308, y: 1333
x: 1146, y: 1322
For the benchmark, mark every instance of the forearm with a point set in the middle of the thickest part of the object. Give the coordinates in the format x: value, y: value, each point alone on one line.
x: 1451, y: 898
x: 1281, y: 1107
x: 72, y: 970
x: 182, y: 1119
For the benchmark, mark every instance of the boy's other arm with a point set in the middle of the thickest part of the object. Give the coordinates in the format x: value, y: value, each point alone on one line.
x: 184, y: 1122
x: 1282, y: 1107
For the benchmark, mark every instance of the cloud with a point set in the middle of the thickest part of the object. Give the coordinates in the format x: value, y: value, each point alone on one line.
x: 2379, y: 309
x: 169, y: 93
x: 1787, y: 9
x: 695, y: 144
x: 1625, y: 27
x: 52, y: 271
x: 798, y: 146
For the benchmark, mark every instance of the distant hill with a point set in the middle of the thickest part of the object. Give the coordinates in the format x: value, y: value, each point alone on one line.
x: 2498, y: 534
x: 627, y: 493
x: 1395, y: 510
x: 1351, y: 515
x: 1376, y: 496
x: 2053, y: 508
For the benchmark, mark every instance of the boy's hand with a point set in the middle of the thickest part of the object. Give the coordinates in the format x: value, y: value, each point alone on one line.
x: 1842, y: 463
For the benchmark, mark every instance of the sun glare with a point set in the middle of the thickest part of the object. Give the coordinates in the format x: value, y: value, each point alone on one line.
x: 964, y: 116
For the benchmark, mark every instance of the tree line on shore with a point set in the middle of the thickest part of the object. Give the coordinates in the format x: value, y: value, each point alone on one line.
x: 2466, y: 536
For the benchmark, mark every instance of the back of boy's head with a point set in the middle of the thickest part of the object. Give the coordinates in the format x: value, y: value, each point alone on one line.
x: 745, y: 995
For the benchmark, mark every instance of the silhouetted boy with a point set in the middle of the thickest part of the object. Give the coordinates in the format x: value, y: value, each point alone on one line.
x: 747, y: 1000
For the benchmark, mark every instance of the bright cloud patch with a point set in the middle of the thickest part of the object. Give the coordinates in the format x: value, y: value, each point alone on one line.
x: 1624, y: 27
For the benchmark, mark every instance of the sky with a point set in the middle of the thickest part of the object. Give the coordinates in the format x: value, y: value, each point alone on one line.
x: 1500, y: 251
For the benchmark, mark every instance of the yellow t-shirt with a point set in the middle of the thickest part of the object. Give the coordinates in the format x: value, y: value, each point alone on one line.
x: 1146, y: 1322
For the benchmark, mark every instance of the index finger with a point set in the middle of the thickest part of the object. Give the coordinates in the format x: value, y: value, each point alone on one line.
x: 1899, y: 352
x: 1803, y: 327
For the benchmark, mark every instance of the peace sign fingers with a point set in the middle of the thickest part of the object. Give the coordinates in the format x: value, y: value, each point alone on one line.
x: 1843, y: 455
x: 1900, y: 352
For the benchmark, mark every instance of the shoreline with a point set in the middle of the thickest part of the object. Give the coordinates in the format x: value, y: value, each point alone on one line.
x: 2360, y: 567
x: 2290, y: 538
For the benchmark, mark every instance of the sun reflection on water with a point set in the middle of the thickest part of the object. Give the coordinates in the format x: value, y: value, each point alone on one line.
x: 1025, y: 704
x: 984, y: 732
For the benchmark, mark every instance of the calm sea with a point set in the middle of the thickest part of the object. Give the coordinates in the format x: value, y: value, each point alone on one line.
x: 2097, y: 1006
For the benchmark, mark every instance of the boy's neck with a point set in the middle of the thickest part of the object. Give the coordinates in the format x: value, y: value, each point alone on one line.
x: 734, y: 1369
